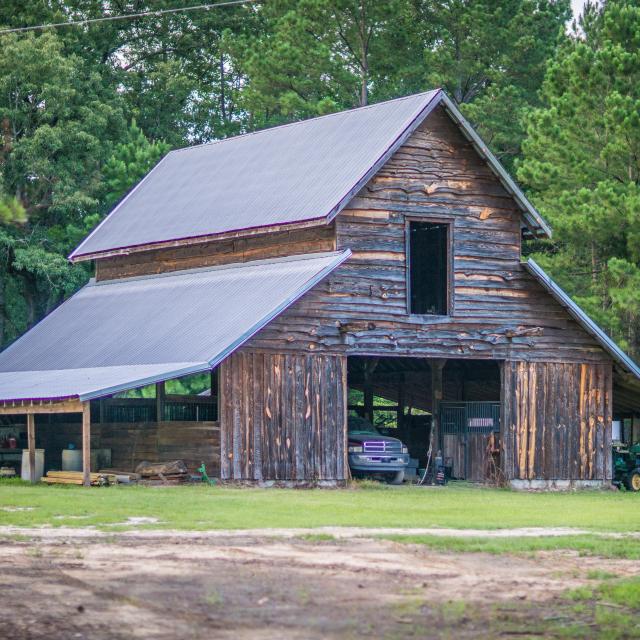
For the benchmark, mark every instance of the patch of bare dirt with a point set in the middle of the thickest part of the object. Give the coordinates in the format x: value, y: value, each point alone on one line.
x: 169, y: 586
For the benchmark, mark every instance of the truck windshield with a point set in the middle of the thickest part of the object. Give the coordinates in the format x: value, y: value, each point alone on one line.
x: 361, y: 426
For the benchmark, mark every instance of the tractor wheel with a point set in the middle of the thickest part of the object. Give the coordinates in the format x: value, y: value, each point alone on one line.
x: 634, y: 481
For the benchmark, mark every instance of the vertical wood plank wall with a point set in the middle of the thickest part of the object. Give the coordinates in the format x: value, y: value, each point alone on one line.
x: 557, y: 420
x: 282, y: 417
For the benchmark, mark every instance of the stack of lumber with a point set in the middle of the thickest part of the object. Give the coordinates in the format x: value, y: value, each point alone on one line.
x: 76, y: 477
x: 172, y: 472
x: 124, y: 477
x: 7, y: 472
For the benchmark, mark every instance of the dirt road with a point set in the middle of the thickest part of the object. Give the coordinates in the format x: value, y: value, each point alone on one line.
x: 170, y: 586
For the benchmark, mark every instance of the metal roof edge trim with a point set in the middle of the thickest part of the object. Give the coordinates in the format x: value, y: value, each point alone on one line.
x: 143, y: 382
x: 578, y: 313
x: 76, y: 252
x: 312, y: 282
x: 408, y: 128
x: 531, y: 213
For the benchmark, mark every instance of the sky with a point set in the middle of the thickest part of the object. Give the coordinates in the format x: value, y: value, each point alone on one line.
x: 577, y: 5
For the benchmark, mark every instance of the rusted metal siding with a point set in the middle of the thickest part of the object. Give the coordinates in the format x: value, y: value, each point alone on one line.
x: 282, y: 417
x: 556, y: 420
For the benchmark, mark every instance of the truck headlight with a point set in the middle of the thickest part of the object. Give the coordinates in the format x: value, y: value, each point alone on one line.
x: 405, y: 449
x: 355, y: 449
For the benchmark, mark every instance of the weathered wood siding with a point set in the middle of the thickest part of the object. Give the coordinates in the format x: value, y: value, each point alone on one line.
x: 212, y: 253
x: 557, y: 421
x: 131, y: 443
x: 361, y: 308
x: 282, y: 417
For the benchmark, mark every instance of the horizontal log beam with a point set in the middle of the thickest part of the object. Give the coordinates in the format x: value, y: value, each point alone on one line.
x: 26, y: 407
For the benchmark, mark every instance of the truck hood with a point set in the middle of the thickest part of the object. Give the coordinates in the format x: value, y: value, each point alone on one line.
x: 369, y: 437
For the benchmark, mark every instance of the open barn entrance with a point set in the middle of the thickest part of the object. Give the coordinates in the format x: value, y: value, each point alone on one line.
x: 407, y: 398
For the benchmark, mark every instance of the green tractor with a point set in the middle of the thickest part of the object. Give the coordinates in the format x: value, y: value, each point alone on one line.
x: 626, y: 466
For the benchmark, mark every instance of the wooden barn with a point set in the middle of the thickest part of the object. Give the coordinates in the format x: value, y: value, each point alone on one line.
x: 257, y: 290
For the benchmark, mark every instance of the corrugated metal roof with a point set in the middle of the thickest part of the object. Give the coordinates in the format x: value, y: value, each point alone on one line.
x: 583, y: 319
x: 302, y: 172
x: 119, y: 334
x: 292, y: 173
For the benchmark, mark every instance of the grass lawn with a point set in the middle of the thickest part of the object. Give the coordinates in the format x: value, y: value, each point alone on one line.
x: 585, y: 545
x: 202, y: 507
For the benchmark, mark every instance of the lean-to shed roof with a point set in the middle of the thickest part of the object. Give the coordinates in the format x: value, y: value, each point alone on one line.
x: 301, y: 173
x: 120, y: 334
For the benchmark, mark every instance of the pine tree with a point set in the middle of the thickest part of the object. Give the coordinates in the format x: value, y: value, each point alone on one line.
x: 132, y: 159
x: 582, y: 163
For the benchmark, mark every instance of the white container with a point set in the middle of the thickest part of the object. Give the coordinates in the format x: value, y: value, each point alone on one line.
x: 616, y: 431
x: 71, y: 460
x: 39, y: 465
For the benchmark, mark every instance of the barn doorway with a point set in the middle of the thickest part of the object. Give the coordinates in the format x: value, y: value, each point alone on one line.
x: 397, y: 396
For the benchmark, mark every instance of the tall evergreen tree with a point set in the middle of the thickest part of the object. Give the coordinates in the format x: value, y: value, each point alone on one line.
x: 315, y: 56
x: 59, y: 124
x: 582, y: 163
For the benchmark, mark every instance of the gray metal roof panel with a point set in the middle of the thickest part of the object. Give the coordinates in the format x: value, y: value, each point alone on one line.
x: 303, y: 172
x: 59, y: 384
x: 110, y: 333
x: 289, y: 174
x: 583, y: 319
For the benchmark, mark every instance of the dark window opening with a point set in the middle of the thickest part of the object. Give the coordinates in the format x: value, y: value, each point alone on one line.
x: 428, y: 268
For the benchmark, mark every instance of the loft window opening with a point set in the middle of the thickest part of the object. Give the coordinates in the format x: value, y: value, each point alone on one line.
x: 428, y: 268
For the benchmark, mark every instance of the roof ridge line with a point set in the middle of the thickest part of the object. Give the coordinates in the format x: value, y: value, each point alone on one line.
x: 298, y: 122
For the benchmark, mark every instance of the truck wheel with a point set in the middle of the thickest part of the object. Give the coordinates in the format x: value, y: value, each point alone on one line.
x: 634, y: 481
x: 398, y: 478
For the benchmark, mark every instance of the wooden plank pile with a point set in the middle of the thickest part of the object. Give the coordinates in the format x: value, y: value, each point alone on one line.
x: 76, y: 477
x: 172, y: 472
x: 124, y: 477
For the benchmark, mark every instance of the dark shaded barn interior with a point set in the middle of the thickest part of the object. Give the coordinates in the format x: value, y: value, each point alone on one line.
x: 398, y: 395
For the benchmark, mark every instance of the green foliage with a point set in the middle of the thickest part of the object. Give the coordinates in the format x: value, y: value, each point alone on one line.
x: 132, y: 159
x: 316, y: 56
x: 582, y: 162
x: 58, y: 122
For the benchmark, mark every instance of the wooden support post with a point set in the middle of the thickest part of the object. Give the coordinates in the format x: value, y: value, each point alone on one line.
x: 160, y: 392
x: 400, y: 412
x: 369, y: 368
x: 214, y: 383
x: 31, y: 443
x: 86, y: 444
x: 437, y: 365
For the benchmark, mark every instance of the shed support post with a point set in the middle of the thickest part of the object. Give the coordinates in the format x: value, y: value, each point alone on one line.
x: 31, y: 443
x: 437, y: 366
x: 160, y: 392
x: 86, y: 444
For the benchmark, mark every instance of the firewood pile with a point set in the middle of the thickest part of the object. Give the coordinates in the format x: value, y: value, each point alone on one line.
x: 172, y: 472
